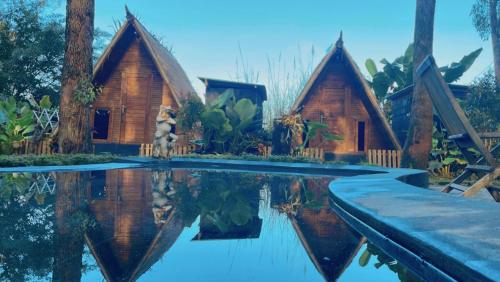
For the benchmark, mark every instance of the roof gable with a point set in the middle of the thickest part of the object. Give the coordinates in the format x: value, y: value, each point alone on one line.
x: 170, y: 70
x: 372, y: 103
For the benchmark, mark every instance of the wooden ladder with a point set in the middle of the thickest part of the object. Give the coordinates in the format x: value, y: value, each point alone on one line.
x: 462, y: 133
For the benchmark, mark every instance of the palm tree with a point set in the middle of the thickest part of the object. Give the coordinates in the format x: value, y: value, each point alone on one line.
x: 419, y: 141
x: 76, y: 84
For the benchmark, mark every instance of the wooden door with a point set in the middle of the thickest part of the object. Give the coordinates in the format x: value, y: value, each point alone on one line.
x: 135, y: 108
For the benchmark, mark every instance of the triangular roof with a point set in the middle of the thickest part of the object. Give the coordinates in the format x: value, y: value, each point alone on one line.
x: 372, y: 100
x: 165, y: 237
x: 170, y: 70
x: 340, y: 244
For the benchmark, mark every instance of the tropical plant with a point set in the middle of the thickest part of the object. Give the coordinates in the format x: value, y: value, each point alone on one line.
x: 299, y: 132
x: 16, y: 123
x: 446, y: 159
x: 383, y: 259
x: 399, y: 74
x: 226, y: 123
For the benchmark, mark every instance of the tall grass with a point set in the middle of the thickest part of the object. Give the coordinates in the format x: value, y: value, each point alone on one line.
x: 285, y: 79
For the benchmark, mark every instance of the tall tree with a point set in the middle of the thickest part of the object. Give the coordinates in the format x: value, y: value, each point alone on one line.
x: 485, y: 18
x: 419, y: 141
x: 31, y: 49
x: 77, y: 91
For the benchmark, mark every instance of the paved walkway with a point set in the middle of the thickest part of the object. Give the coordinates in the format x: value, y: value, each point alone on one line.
x: 460, y: 236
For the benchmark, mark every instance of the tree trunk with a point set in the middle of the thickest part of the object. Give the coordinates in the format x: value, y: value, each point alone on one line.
x: 495, y: 39
x: 419, y: 140
x: 74, y: 128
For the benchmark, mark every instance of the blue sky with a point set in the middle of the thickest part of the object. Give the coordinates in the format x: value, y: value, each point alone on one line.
x: 205, y: 34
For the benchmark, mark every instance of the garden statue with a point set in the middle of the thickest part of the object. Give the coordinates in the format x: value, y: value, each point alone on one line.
x: 165, y: 137
x: 163, y: 190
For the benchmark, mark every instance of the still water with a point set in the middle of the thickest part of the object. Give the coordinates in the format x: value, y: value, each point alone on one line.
x: 179, y: 225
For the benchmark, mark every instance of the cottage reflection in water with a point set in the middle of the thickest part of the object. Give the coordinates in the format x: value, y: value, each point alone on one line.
x: 129, y: 219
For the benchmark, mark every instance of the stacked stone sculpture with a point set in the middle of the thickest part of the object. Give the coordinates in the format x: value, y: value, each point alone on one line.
x: 165, y: 137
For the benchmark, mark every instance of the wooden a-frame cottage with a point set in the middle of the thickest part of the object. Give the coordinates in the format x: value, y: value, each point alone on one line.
x: 338, y: 95
x: 137, y: 75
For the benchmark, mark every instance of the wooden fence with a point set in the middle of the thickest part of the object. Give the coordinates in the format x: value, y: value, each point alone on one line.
x: 490, y: 139
x: 385, y: 158
x: 312, y: 153
x: 146, y: 150
x: 25, y: 147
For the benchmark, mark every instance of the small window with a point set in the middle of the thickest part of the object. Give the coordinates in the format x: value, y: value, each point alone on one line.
x: 101, y: 123
x: 361, y: 136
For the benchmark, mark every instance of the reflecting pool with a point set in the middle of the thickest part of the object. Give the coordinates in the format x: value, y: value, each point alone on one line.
x: 180, y: 225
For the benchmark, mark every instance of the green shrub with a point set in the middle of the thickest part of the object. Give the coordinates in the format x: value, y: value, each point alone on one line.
x: 56, y: 159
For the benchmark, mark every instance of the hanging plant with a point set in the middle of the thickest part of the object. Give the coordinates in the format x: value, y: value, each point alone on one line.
x: 85, y: 92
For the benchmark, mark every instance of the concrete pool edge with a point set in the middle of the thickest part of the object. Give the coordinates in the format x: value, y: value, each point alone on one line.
x: 454, y: 241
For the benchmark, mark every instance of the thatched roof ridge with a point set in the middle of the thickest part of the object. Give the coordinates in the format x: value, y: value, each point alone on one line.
x: 169, y: 68
x: 372, y: 100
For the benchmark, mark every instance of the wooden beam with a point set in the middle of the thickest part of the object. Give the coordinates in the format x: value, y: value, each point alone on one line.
x: 450, y: 112
x: 482, y: 183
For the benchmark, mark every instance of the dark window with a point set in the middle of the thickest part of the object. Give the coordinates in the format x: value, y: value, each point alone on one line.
x: 361, y: 136
x: 101, y: 123
x: 98, y: 187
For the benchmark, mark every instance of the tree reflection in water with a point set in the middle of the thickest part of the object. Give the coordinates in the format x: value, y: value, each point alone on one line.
x: 130, y: 218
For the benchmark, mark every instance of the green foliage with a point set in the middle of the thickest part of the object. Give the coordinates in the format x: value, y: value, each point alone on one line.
x: 481, y: 105
x: 455, y: 70
x: 56, y: 159
x: 399, y: 74
x: 45, y: 103
x: 315, y: 129
x: 250, y: 157
x: 85, y: 92
x: 189, y: 114
x: 480, y: 13
x: 226, y: 123
x: 16, y: 123
x: 383, y: 259
x: 225, y: 201
x: 446, y: 159
x: 31, y: 49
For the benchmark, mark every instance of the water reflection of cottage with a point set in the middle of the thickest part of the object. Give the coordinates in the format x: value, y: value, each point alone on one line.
x: 329, y: 242
x: 127, y: 242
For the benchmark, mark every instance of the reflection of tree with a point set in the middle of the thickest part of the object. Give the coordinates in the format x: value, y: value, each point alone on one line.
x: 295, y: 192
x: 26, y: 221
x: 70, y: 225
x: 382, y: 259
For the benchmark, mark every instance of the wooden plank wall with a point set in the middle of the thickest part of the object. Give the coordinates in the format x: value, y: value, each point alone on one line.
x: 336, y: 100
x: 136, y: 61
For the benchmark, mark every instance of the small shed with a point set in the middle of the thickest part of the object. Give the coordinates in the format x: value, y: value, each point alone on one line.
x: 137, y: 75
x: 401, y: 107
x: 338, y: 95
x: 254, y: 92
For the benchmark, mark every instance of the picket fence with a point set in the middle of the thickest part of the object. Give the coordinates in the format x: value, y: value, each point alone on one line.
x: 25, y: 147
x: 385, y: 158
x: 146, y: 150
